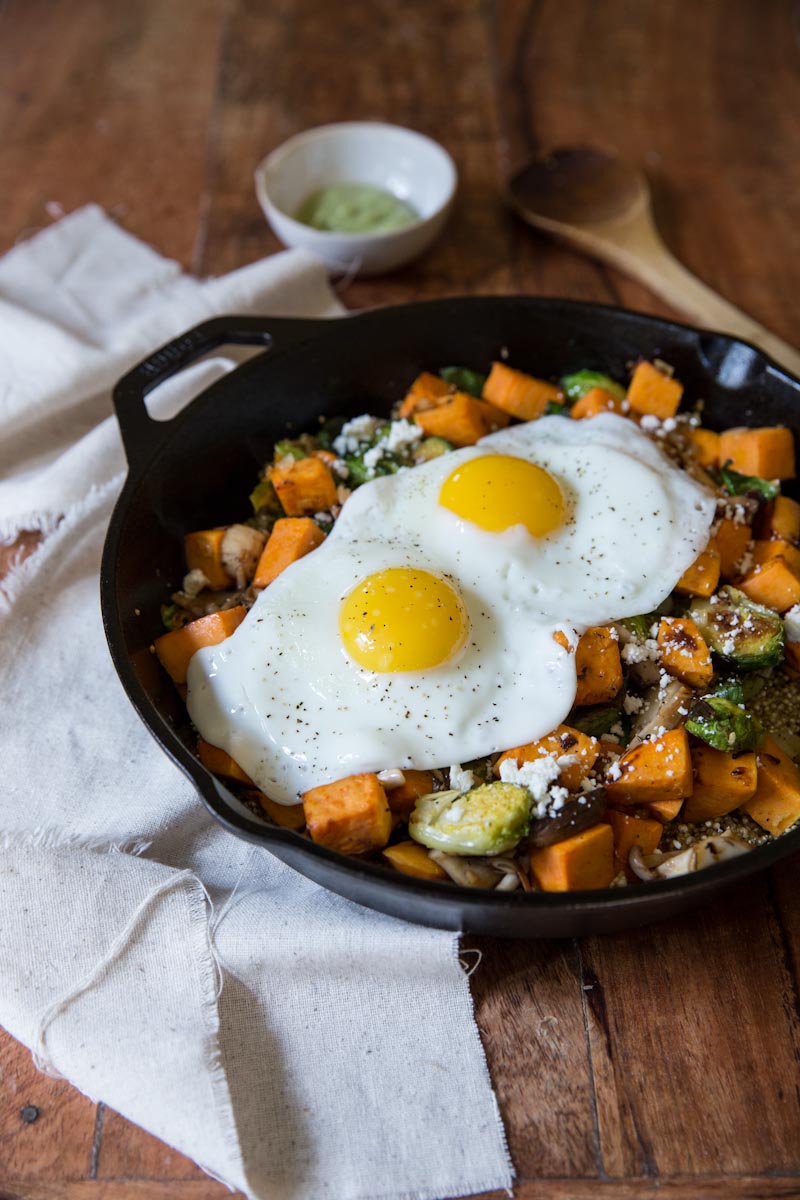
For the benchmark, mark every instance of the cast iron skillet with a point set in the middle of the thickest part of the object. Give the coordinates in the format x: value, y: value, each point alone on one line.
x: 197, y: 470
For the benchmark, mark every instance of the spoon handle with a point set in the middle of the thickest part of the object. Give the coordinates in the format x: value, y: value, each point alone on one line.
x: 640, y: 252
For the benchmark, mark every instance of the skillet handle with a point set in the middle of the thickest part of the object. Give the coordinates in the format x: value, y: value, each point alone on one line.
x: 140, y: 432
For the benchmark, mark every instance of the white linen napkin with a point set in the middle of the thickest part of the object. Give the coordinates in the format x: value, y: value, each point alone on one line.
x: 292, y: 1043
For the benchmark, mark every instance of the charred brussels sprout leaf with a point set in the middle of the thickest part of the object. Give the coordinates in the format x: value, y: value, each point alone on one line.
x: 555, y: 408
x: 740, y: 632
x: 169, y: 615
x: 597, y: 722
x: 724, y: 725
x: 431, y: 447
x: 487, y: 820
x: 736, y: 484
x: 464, y: 379
x: 264, y: 498
x: 576, y: 385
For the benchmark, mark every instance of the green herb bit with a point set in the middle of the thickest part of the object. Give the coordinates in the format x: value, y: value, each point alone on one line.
x: 464, y: 379
x: 169, y: 616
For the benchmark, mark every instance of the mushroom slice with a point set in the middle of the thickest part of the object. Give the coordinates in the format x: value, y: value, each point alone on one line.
x: 720, y: 848
x: 579, y: 812
x: 240, y: 551
x: 663, y: 709
x: 469, y: 872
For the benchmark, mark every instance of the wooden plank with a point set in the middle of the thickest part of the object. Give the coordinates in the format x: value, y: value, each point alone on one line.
x: 128, y: 1152
x: 108, y: 103
x: 694, y: 1053
x: 709, y: 1188
x: 528, y: 1009
x: 442, y: 88
x: 47, y: 1128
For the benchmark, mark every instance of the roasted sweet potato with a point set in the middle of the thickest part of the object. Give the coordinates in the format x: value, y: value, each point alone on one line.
x: 562, y: 742
x: 780, y: 519
x: 288, y: 816
x: 583, y: 861
x: 176, y: 648
x: 412, y: 859
x: 730, y: 542
x: 203, y: 552
x: 427, y: 391
x: 663, y: 810
x: 291, y: 538
x: 764, y: 550
x: 351, y: 815
x: 598, y: 666
x: 767, y: 451
x: 632, y: 831
x: 705, y: 446
x: 702, y: 576
x: 402, y: 799
x: 518, y: 394
x: 684, y: 653
x: 776, y: 803
x: 654, y: 393
x: 722, y: 782
x: 462, y: 420
x: 596, y: 400
x: 660, y: 769
x: 304, y: 486
x: 220, y: 762
x: 773, y: 584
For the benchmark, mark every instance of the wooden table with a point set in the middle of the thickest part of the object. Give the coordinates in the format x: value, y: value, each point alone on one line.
x: 660, y: 1062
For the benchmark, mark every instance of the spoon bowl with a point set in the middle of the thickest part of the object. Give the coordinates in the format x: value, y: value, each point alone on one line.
x: 600, y: 204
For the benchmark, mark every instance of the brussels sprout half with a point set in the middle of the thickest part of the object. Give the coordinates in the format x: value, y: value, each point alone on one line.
x: 487, y: 820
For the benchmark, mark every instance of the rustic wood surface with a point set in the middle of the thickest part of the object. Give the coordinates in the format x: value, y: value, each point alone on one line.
x: 663, y: 1062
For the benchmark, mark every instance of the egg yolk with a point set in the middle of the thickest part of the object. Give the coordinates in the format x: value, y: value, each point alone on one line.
x: 496, y: 491
x: 403, y: 619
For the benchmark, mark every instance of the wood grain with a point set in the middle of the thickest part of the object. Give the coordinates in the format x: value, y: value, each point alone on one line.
x: 664, y: 1062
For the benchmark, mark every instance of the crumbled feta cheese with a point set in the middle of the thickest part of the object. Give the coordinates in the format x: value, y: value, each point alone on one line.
x: 194, y: 582
x: 536, y: 775
x: 401, y: 435
x: 636, y: 652
x: 632, y: 704
x: 461, y: 779
x: 791, y: 624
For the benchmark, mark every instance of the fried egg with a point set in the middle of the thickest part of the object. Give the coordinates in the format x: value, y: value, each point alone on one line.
x: 438, y: 620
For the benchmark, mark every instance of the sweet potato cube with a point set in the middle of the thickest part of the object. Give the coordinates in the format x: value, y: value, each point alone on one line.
x: 776, y: 803
x: 722, y: 782
x: 402, y: 799
x: 291, y: 538
x: 203, y: 552
x: 730, y: 542
x: 412, y: 859
x: 653, y: 392
x: 304, y: 486
x: 780, y: 519
x: 630, y: 831
x: 288, y: 816
x: 583, y: 861
x: 462, y: 420
x: 427, y: 391
x: 518, y: 394
x: 176, y: 648
x: 351, y: 815
x: 598, y: 666
x: 764, y: 550
x: 705, y: 446
x: 773, y: 584
x: 660, y: 769
x: 664, y: 810
x: 767, y: 451
x: 564, y: 742
x: 702, y: 577
x: 684, y: 652
x: 219, y: 762
x: 596, y: 400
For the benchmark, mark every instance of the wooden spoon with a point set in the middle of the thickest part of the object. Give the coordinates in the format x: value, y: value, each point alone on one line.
x: 601, y: 205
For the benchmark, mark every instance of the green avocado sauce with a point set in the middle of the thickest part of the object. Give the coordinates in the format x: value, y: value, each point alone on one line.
x: 355, y: 208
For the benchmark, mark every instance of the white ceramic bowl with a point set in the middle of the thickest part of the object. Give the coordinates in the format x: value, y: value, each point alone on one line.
x: 409, y: 165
